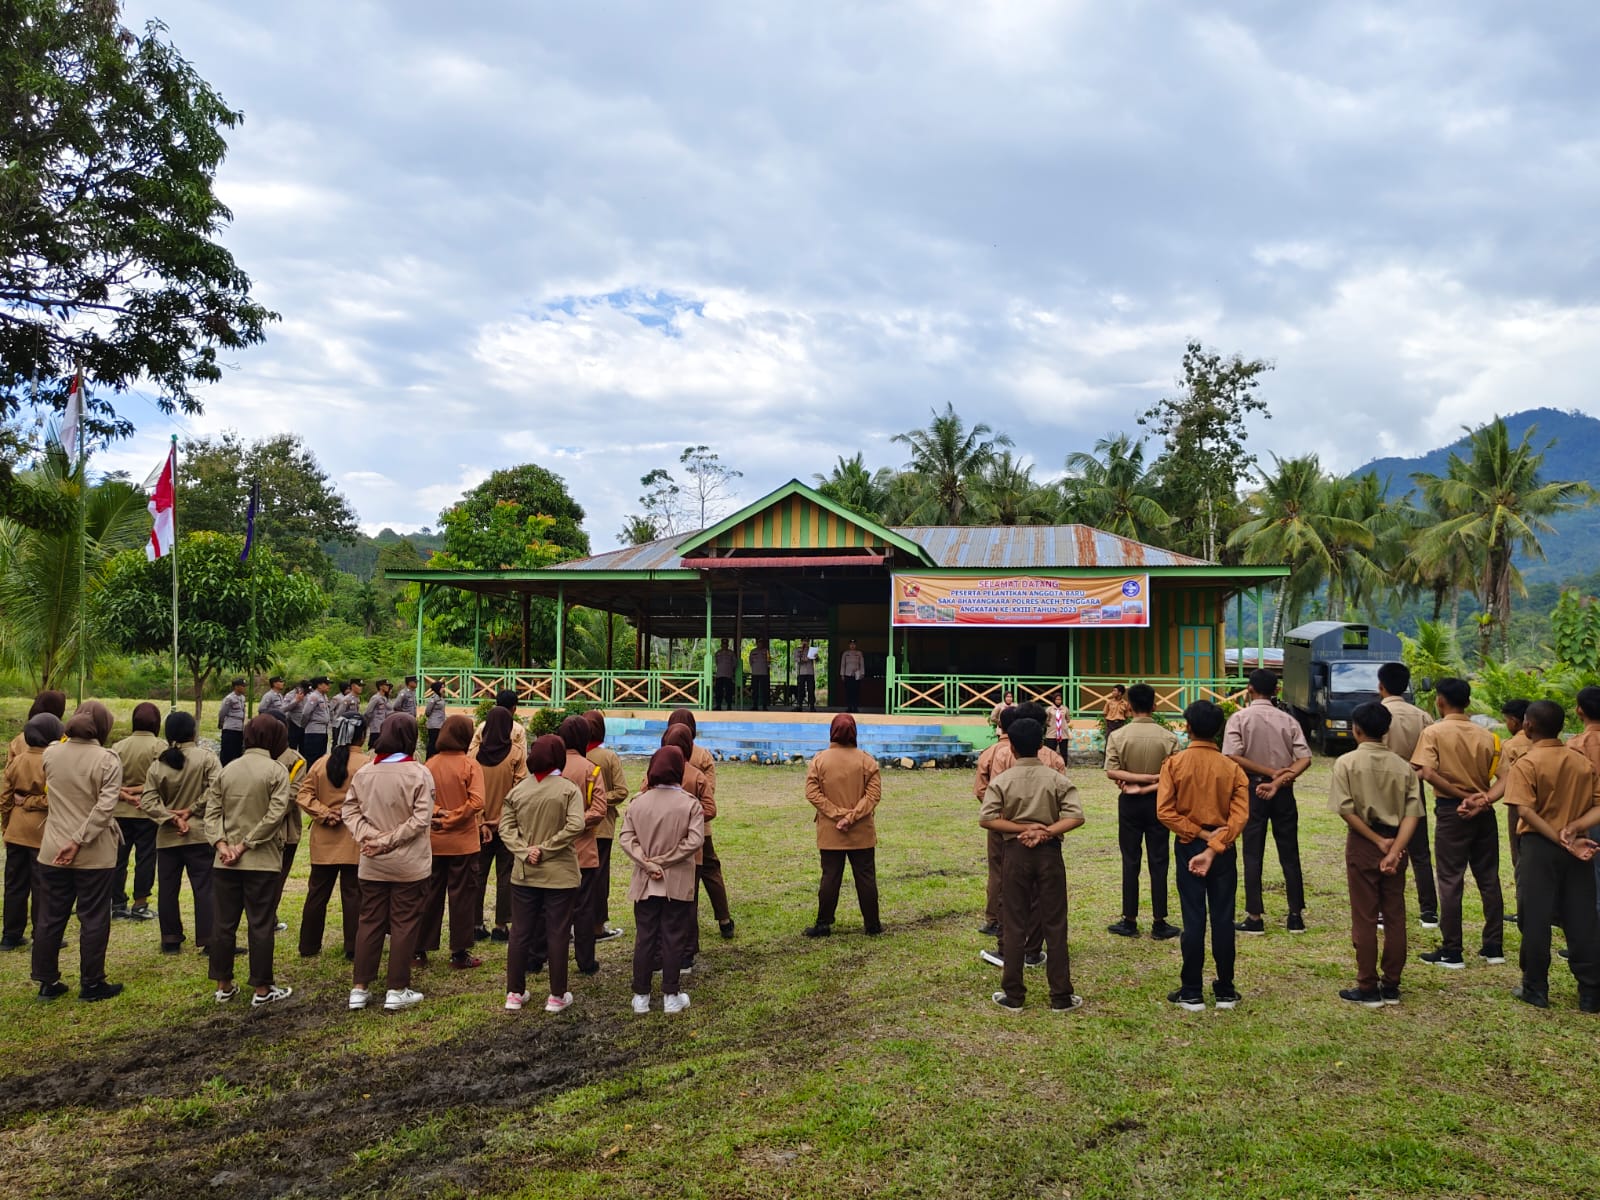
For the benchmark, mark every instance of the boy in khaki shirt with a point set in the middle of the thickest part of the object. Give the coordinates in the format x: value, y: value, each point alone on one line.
x: 1134, y: 755
x: 1556, y: 793
x: 1030, y: 806
x: 1204, y: 798
x: 1379, y: 797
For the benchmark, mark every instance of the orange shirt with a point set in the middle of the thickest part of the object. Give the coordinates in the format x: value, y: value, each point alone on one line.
x: 1200, y: 789
x: 1553, y: 782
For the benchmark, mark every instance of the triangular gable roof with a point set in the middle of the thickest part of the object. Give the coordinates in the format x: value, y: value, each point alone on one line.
x: 796, y: 517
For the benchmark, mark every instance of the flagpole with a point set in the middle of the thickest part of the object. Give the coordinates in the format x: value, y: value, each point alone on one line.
x: 83, y: 537
x: 249, y: 548
x: 174, y: 556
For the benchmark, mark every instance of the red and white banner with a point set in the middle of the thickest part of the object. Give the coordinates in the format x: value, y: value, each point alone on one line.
x: 162, y: 501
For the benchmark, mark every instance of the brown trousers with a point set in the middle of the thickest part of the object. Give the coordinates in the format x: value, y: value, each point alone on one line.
x: 583, y: 918
x: 319, y: 891
x: 395, y: 909
x: 863, y: 866
x: 602, y: 895
x: 661, y: 935
x: 56, y: 890
x: 1035, y: 889
x: 541, y: 926
x: 709, y: 872
x: 254, y: 895
x: 1374, y: 895
x: 454, y: 879
x: 494, y: 856
x: 1460, y: 845
x: 1557, y: 889
x: 171, y: 865
x: 289, y: 849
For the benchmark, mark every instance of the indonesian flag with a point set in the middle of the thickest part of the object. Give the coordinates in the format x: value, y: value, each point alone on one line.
x: 161, y: 510
x: 72, y: 418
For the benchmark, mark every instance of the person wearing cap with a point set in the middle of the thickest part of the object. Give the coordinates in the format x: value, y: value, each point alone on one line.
x: 315, y: 721
x: 273, y: 700
x: 760, y: 676
x: 137, y: 751
x: 434, y: 713
x: 230, y: 720
x: 78, y: 854
x: 723, y: 665
x: 378, y: 710
x: 852, y: 670
x: 23, y: 805
x: 294, y: 709
x: 405, y: 700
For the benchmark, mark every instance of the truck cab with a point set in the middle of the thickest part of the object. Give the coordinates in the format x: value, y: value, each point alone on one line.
x: 1330, y: 668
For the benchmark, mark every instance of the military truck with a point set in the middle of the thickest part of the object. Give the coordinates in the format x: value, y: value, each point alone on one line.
x: 1329, y: 669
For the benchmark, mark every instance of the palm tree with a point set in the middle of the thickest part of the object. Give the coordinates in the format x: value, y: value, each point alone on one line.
x: 1005, y: 493
x: 948, y: 456
x: 45, y: 618
x: 851, y: 484
x: 1113, y: 490
x: 1355, y: 551
x: 1440, y: 568
x: 1502, y: 505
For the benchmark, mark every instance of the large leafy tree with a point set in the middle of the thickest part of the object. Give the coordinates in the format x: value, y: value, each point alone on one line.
x: 947, y: 457
x: 1203, y: 429
x: 214, y: 627
x: 1502, y: 503
x: 45, y: 617
x: 300, y: 511
x: 1113, y: 489
x: 537, y: 492
x: 109, y: 223
x: 857, y: 487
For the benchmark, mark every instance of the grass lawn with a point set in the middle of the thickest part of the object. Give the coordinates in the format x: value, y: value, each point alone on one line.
x: 845, y: 1067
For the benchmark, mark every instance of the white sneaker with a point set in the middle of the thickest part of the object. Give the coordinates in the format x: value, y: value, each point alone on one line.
x: 676, y: 1004
x: 274, y: 994
x: 990, y: 957
x: 359, y: 998
x: 404, y: 998
x: 515, y: 1000
x: 222, y: 997
x: 283, y: 927
x: 558, y: 1003
x: 641, y: 1005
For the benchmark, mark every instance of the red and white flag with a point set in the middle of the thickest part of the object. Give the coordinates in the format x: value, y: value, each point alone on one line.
x: 72, y: 418
x: 161, y: 510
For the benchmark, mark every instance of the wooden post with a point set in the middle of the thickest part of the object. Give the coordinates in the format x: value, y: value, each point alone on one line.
x: 611, y: 635
x: 527, y: 631
x: 738, y: 648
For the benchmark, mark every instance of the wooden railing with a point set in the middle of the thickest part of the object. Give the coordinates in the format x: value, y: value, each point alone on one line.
x: 953, y: 695
x: 541, y: 688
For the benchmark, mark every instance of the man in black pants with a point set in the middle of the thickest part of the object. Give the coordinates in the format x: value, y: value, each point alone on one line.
x: 1134, y: 754
x: 1406, y: 723
x: 1270, y: 746
x: 230, y: 723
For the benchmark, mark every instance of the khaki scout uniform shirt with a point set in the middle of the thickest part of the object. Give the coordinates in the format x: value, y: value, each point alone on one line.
x: 1265, y: 734
x: 1513, y: 748
x: 248, y: 802
x: 844, y: 781
x: 1406, y: 723
x: 547, y: 813
x: 23, y: 803
x: 1140, y: 746
x: 167, y: 791
x: 1375, y: 784
x: 1000, y: 757
x: 137, y: 751
x: 1118, y: 710
x: 331, y: 845
x: 83, y: 779
x: 1458, y: 749
x: 1202, y: 789
x: 1554, y: 782
x: 1030, y: 793
x: 616, y: 785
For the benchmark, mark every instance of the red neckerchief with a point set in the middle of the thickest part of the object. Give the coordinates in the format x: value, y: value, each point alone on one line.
x: 397, y: 758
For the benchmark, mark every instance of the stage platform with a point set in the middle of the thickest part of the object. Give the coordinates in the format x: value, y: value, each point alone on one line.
x: 772, y: 737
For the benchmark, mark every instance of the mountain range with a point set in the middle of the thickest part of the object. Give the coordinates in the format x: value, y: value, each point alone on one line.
x: 1571, y: 445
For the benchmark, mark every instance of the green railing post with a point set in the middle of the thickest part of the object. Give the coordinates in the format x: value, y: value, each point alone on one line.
x: 707, y: 665
x: 422, y: 596
x: 477, y: 629
x: 1261, y: 634
x: 557, y: 682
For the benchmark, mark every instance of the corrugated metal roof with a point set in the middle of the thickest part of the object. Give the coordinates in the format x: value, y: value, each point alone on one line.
x: 995, y: 547
x: 1033, y: 547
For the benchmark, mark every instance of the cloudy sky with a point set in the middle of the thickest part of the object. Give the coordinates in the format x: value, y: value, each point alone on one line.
x: 589, y: 233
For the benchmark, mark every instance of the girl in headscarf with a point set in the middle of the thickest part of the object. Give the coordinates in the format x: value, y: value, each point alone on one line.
x: 698, y: 786
x: 52, y: 702
x: 574, y: 734
x: 507, y: 699
x: 335, y: 857
x: 137, y: 751
x: 616, y: 785
x: 77, y: 862
x: 505, y: 764
x: 709, y: 872
x: 176, y: 788
x: 661, y: 831
x: 23, y: 805
x: 456, y: 843
x: 389, y: 809
x: 293, y: 762
x: 542, y: 818
x: 842, y: 784
x: 245, y: 822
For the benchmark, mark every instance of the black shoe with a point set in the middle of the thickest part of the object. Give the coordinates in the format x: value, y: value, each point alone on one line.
x: 1225, y: 997
x: 53, y: 991
x: 13, y: 943
x: 480, y: 934
x: 100, y: 991
x: 1428, y: 919
x: 1449, y: 959
x: 1006, y: 1003
x: 119, y: 912
x: 1296, y: 923
x: 606, y: 934
x: 1495, y: 956
x: 815, y: 931
x: 1589, y: 1002
x: 1124, y: 928
x: 873, y: 930
x: 141, y: 912
x: 1251, y: 925
x: 1188, y: 1001
x: 725, y: 928
x: 591, y: 969
x: 1162, y: 931
x: 1537, y: 999
x: 1563, y: 953
x: 172, y: 947
x: 1033, y: 960
x: 989, y: 929
x: 500, y: 935
x: 536, y: 968
x: 1390, y: 992
x: 1365, y: 999
x: 1512, y: 919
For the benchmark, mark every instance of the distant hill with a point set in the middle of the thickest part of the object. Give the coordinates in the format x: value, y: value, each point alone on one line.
x: 361, y: 558
x: 1575, y: 455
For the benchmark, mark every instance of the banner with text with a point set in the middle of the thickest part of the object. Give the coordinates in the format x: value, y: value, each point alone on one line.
x: 1022, y: 601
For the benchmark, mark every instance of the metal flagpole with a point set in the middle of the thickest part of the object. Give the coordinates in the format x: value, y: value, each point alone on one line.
x: 174, y: 557
x: 250, y: 549
x: 83, y: 536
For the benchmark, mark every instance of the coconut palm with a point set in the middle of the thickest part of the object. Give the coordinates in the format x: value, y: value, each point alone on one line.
x: 948, y: 456
x: 1005, y: 493
x: 859, y: 489
x: 44, y: 615
x: 1113, y: 490
x: 1356, y: 551
x: 1501, y: 504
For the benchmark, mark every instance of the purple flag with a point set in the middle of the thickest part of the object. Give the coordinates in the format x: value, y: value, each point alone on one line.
x: 250, y: 520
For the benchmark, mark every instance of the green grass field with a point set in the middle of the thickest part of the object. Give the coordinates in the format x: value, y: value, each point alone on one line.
x: 840, y: 1068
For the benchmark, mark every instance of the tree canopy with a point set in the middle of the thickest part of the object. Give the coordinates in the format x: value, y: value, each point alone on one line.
x: 536, y: 491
